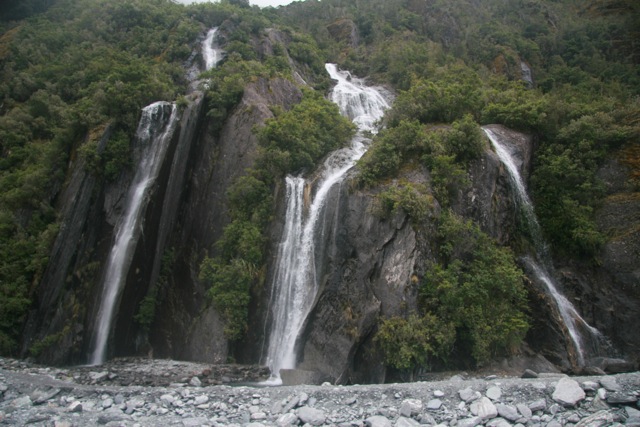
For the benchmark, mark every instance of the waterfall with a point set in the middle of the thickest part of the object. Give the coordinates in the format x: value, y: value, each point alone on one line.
x: 541, y: 266
x: 153, y: 135
x: 295, y: 285
x: 210, y: 51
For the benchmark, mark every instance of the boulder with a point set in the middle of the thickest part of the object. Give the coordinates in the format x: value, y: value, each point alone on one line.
x: 568, y: 392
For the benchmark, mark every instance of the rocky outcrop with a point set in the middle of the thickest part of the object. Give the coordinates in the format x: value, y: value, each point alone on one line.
x: 344, y: 30
x: 372, y: 264
x: 190, y: 328
x: 607, y: 293
x: 368, y: 273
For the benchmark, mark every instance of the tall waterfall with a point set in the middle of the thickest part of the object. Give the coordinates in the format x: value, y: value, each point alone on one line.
x: 295, y: 284
x: 210, y: 51
x: 578, y: 329
x: 156, y: 127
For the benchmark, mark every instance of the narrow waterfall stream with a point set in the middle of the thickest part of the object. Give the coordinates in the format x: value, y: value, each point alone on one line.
x: 155, y: 130
x: 295, y: 284
x: 578, y: 329
x: 211, y: 53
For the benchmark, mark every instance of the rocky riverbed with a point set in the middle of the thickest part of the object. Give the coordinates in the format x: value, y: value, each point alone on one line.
x: 137, y: 392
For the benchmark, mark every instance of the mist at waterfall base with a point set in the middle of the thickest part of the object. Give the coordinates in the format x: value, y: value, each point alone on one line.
x: 584, y: 339
x: 295, y: 284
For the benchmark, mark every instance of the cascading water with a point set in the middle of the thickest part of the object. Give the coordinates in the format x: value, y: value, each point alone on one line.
x: 155, y: 130
x: 295, y: 283
x: 210, y: 51
x: 541, y: 266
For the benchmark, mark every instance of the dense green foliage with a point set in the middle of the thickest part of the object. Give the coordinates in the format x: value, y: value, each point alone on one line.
x: 64, y: 75
x: 472, y: 303
x: 292, y: 141
x: 411, y: 344
x: 456, y: 58
x: 72, y: 69
x: 476, y: 287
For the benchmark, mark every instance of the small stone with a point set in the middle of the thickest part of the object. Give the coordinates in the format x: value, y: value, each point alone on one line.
x: 201, y: 400
x: 377, y: 421
x: 350, y: 401
x: 498, y: 422
x: 302, y: 398
x: 406, y: 422
x: 21, y: 402
x: 469, y: 395
x: 195, y: 422
x: 528, y: 373
x: 287, y: 419
x: 537, y: 405
x: 484, y: 408
x: 427, y: 419
x: 60, y: 423
x: 494, y: 393
x: 568, y: 392
x: 135, y: 403
x: 508, y: 412
x: 410, y: 407
x: 469, y: 422
x: 434, y: 404
x: 195, y: 382
x: 621, y: 399
x: 574, y: 418
x: 75, y: 407
x: 167, y: 399
x: 98, y: 376
x: 554, y: 423
x: 633, y: 417
x: 41, y: 396
x: 312, y: 416
x: 589, y: 386
x: 599, y: 419
x: 610, y: 383
x: 107, y: 403
x: 259, y: 416
x: 438, y: 393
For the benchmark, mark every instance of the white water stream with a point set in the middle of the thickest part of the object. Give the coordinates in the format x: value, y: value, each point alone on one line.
x: 295, y: 283
x: 154, y: 134
x: 541, y: 267
x: 211, y: 53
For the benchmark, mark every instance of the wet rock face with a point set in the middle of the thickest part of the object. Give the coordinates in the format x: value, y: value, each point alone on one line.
x: 190, y: 328
x: 607, y: 294
x: 368, y: 273
x: 373, y: 264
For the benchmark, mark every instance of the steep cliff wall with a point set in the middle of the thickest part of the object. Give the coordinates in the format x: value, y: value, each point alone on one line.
x: 373, y: 264
x: 190, y: 327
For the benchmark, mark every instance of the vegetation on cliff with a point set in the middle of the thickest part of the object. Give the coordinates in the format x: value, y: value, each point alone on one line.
x: 292, y: 142
x: 69, y: 69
